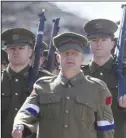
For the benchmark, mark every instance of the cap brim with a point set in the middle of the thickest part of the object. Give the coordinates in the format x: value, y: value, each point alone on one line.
x: 70, y: 46
x: 16, y: 44
x: 98, y: 36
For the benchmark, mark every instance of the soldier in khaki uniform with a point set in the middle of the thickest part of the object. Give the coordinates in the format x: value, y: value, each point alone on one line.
x: 100, y: 33
x: 69, y: 105
x: 19, y: 45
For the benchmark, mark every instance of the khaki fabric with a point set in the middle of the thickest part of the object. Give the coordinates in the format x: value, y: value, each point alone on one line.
x: 14, y: 93
x: 107, y: 74
x: 74, y: 108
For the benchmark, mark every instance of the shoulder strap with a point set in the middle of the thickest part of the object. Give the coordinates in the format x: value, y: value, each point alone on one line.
x: 96, y: 80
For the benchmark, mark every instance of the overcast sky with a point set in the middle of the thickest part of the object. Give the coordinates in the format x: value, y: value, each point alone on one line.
x: 92, y: 10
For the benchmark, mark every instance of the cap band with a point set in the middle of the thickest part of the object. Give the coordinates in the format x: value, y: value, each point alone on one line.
x: 18, y: 43
x: 67, y: 46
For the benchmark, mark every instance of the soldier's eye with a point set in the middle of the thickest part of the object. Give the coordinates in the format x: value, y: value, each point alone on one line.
x: 93, y: 40
x: 21, y: 47
x: 66, y: 53
x: 103, y: 39
x: 12, y: 48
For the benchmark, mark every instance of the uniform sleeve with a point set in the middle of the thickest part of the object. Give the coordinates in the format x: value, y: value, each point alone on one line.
x: 105, y: 121
x: 29, y: 113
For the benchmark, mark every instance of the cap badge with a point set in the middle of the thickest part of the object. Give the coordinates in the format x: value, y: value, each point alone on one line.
x: 98, y: 26
x: 15, y: 36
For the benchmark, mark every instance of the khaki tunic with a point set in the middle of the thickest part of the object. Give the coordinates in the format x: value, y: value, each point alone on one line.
x: 74, y: 108
x: 14, y: 93
x: 107, y: 74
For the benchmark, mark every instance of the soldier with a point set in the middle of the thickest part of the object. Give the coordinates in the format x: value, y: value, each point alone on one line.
x: 44, y: 56
x: 68, y: 105
x: 56, y: 65
x: 4, y: 60
x: 19, y: 45
x: 100, y: 33
x: 43, y: 60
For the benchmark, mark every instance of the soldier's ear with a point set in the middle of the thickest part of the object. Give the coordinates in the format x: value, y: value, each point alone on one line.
x: 82, y: 58
x: 30, y: 52
x: 113, y: 44
x: 58, y: 58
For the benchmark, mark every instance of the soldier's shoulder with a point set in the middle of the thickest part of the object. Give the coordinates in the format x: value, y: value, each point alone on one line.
x: 46, y: 79
x: 85, y: 68
x: 43, y: 83
x: 95, y: 81
x: 45, y: 72
x: 100, y: 86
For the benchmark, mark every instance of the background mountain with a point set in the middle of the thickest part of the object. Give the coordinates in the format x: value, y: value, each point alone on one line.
x: 25, y: 14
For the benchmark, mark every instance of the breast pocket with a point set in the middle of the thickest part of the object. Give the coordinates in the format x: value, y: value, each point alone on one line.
x: 84, y: 111
x: 50, y: 107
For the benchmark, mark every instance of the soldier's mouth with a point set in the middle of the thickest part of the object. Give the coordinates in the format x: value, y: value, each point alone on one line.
x: 99, y: 49
x: 70, y: 63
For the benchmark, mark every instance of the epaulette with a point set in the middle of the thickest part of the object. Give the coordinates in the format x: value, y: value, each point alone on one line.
x: 84, y: 66
x: 46, y: 72
x: 46, y: 79
x: 86, y: 69
x: 96, y: 80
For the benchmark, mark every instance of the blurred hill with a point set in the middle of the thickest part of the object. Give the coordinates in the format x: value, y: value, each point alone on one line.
x: 25, y: 15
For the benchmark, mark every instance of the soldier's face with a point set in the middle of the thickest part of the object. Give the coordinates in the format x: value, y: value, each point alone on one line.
x: 101, y: 47
x: 19, y: 55
x: 42, y: 59
x: 70, y: 60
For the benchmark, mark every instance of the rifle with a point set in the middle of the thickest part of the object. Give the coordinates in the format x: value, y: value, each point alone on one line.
x: 37, y: 51
x: 51, y: 55
x: 120, y: 55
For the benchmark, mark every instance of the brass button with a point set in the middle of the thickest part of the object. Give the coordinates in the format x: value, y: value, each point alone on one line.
x: 49, y: 101
x: 69, y: 85
x: 2, y: 93
x: 16, y: 93
x: 68, y: 98
x: 66, y: 111
x: 66, y: 126
x: 16, y: 109
x: 101, y: 73
x: 16, y: 80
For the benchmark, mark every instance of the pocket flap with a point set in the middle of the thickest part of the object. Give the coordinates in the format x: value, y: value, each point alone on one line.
x: 50, y: 99
x: 82, y: 100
